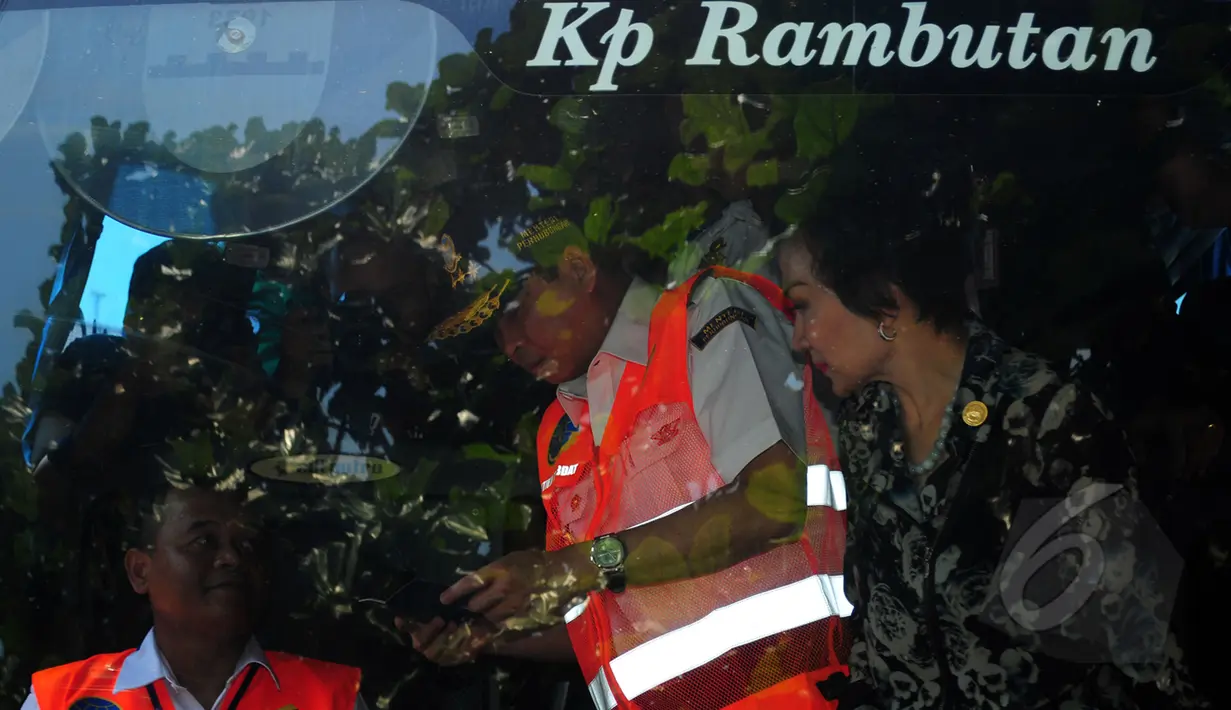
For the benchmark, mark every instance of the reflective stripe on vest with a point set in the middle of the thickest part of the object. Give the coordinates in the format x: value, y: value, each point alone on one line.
x: 715, y: 640
x: 302, y: 683
x: 826, y: 488
x: 659, y: 660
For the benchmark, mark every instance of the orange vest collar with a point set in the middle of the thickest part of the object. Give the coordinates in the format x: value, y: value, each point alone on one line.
x: 305, y: 683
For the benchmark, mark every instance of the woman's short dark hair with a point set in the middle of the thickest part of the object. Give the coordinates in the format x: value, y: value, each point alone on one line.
x: 903, y: 216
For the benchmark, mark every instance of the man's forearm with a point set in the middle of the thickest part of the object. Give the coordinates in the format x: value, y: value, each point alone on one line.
x: 763, y: 508
x: 549, y: 645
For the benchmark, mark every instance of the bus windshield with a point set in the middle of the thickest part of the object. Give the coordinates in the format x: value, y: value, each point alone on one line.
x: 710, y: 354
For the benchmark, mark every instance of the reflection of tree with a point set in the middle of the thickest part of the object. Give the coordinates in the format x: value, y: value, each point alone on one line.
x: 644, y: 171
x: 309, y: 174
x: 401, y: 202
x: 640, y: 171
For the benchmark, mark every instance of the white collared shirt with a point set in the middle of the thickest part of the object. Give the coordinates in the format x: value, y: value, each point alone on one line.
x: 146, y: 665
x: 746, y: 384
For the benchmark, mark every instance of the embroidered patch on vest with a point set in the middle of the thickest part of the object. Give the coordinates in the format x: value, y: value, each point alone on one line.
x: 563, y: 432
x: 725, y: 318
x: 666, y: 433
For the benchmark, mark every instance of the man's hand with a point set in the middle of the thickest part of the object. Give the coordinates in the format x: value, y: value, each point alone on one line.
x: 448, y: 644
x: 765, y: 507
x: 527, y: 589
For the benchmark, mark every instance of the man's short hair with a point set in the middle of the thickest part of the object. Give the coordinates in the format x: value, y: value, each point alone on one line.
x: 146, y: 507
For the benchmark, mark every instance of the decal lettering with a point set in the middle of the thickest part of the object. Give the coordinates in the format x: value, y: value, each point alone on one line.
x: 726, y: 38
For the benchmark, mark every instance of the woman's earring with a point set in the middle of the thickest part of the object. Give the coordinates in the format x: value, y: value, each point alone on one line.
x: 887, y: 337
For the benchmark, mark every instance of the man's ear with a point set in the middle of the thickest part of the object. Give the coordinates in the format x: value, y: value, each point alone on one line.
x: 137, y: 564
x: 577, y: 268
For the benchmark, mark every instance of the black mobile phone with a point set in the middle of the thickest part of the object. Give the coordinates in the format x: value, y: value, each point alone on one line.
x: 419, y: 600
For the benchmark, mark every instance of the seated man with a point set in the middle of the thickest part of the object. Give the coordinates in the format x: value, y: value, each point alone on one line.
x: 198, y: 564
x: 110, y: 405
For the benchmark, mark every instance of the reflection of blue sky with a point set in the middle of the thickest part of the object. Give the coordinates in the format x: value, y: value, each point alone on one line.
x: 364, y: 45
x: 470, y: 16
x: 502, y: 258
x: 473, y: 16
x: 106, y: 289
x: 23, y: 43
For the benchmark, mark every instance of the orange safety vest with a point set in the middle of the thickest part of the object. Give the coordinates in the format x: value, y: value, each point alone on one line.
x: 303, y: 684
x: 758, y: 635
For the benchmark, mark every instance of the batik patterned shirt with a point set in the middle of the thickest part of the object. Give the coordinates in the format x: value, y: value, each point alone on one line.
x: 1022, y: 571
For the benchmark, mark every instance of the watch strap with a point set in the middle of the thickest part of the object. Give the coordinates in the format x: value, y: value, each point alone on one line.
x: 614, y: 580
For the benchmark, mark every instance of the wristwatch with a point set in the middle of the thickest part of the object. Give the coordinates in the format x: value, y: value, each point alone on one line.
x: 607, y: 553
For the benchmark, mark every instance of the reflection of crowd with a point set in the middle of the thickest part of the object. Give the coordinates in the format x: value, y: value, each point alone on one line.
x: 702, y: 510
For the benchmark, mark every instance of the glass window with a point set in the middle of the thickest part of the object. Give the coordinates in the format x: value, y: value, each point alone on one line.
x: 546, y: 354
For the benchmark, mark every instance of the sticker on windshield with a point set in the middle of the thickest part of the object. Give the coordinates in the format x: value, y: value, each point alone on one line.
x: 249, y: 256
x: 326, y: 469
x: 237, y: 35
x: 210, y: 66
x: 457, y: 126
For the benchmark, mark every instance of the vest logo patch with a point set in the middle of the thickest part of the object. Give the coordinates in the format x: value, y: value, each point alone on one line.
x: 668, y: 432
x: 726, y: 317
x: 93, y: 704
x: 562, y: 471
x: 559, y: 438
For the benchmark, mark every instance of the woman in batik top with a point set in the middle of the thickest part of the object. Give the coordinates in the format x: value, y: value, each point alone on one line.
x: 972, y: 467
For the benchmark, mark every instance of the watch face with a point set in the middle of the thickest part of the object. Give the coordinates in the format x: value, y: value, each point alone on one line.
x: 607, y: 552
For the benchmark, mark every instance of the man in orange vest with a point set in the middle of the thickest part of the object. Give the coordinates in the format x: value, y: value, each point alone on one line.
x: 694, y: 558
x: 198, y: 565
